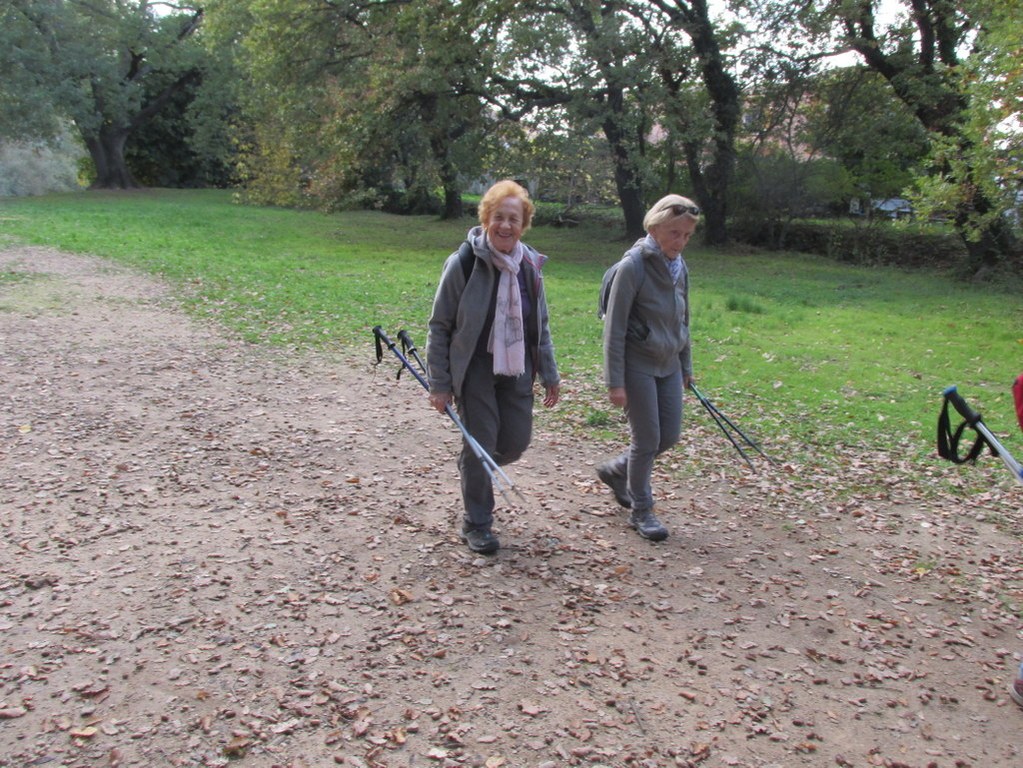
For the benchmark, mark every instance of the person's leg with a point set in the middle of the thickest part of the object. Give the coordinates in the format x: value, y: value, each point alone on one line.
x: 669, y: 410
x: 655, y: 416
x: 645, y: 425
x: 478, y: 410
x: 615, y: 474
x: 514, y: 414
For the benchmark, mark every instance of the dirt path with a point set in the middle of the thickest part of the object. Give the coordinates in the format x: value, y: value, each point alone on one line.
x: 212, y: 556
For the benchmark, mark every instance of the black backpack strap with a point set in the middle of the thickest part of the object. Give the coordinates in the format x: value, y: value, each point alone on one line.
x: 467, y: 258
x: 948, y: 441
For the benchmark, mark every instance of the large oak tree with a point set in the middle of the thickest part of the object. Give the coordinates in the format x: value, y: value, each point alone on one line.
x: 105, y: 66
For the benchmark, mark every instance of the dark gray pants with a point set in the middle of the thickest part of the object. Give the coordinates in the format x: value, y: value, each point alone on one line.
x: 655, y: 419
x: 498, y: 412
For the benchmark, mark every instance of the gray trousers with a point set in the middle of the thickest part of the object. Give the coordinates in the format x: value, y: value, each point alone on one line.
x: 655, y: 419
x: 498, y: 412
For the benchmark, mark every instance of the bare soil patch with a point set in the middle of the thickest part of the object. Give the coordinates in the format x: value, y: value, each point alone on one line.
x: 212, y: 555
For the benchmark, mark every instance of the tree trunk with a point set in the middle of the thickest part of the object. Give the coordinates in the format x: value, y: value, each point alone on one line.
x: 995, y: 240
x: 627, y: 178
x: 711, y: 197
x: 715, y: 180
x: 452, y: 192
x: 442, y: 137
x: 634, y: 209
x: 711, y: 165
x: 448, y: 178
x: 452, y: 203
x: 107, y: 152
x: 711, y: 186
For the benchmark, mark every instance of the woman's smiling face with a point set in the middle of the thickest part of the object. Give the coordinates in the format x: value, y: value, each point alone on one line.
x: 505, y: 225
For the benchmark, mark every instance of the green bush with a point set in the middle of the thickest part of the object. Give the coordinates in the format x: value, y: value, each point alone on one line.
x: 876, y: 243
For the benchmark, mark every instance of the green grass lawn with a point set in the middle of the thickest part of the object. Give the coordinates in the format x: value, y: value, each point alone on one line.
x: 811, y: 355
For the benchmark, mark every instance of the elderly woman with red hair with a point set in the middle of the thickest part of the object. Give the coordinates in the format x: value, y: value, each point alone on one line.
x: 489, y: 339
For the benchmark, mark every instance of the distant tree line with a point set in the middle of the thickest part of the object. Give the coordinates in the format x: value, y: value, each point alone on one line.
x: 401, y: 104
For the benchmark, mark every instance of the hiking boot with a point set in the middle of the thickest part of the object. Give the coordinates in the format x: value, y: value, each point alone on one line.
x: 481, y: 540
x: 1016, y: 691
x: 648, y: 526
x: 619, y: 485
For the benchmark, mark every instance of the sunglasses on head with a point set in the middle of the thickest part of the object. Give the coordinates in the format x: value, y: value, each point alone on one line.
x: 678, y: 209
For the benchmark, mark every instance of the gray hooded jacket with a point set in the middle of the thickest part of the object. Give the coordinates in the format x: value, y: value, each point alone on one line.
x: 647, y: 323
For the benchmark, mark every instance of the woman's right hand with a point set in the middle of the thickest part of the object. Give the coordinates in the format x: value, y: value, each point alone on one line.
x: 440, y: 400
x: 617, y: 396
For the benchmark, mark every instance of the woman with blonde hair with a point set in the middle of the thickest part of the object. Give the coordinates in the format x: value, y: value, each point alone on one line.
x: 647, y: 359
x: 489, y: 339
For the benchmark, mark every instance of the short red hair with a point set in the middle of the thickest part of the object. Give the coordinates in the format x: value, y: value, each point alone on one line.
x: 498, y: 192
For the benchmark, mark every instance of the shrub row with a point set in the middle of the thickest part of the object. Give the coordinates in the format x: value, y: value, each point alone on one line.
x: 868, y: 243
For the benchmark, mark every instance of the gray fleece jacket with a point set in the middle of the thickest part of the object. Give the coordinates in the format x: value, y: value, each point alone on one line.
x: 460, y: 310
x: 646, y: 327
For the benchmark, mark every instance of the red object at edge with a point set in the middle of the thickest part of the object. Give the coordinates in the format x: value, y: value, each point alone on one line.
x: 1017, y: 392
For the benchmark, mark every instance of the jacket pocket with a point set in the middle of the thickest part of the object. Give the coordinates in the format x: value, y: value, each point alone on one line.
x: 636, y: 329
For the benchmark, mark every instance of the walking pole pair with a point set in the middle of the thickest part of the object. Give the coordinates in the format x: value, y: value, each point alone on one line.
x: 948, y: 441
x: 498, y: 477
x: 721, y: 420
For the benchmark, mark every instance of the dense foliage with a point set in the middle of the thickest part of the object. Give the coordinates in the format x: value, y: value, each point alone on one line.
x: 405, y: 105
x: 951, y: 64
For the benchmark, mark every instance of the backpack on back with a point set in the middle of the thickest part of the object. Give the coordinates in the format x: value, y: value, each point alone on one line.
x: 608, y: 280
x: 466, y: 258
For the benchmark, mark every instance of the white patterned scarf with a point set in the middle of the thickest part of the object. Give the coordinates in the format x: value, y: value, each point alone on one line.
x: 507, y: 340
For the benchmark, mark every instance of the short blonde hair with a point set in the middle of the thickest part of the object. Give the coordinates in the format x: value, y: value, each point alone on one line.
x: 670, y: 207
x: 498, y: 192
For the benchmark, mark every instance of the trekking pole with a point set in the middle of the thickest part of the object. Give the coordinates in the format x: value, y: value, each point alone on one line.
x: 498, y: 478
x: 714, y: 415
x: 721, y: 420
x: 492, y: 467
x: 410, y: 349
x: 948, y: 442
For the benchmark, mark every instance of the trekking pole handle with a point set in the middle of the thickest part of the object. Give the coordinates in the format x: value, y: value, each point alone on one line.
x: 378, y: 332
x: 952, y: 395
x: 381, y: 336
x: 410, y: 348
x: 404, y: 338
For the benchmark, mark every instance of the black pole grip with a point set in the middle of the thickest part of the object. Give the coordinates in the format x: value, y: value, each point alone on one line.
x: 381, y: 336
x: 952, y: 395
x: 378, y: 334
x: 410, y: 349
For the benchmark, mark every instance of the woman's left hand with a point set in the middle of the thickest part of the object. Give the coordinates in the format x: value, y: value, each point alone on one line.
x: 552, y: 395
